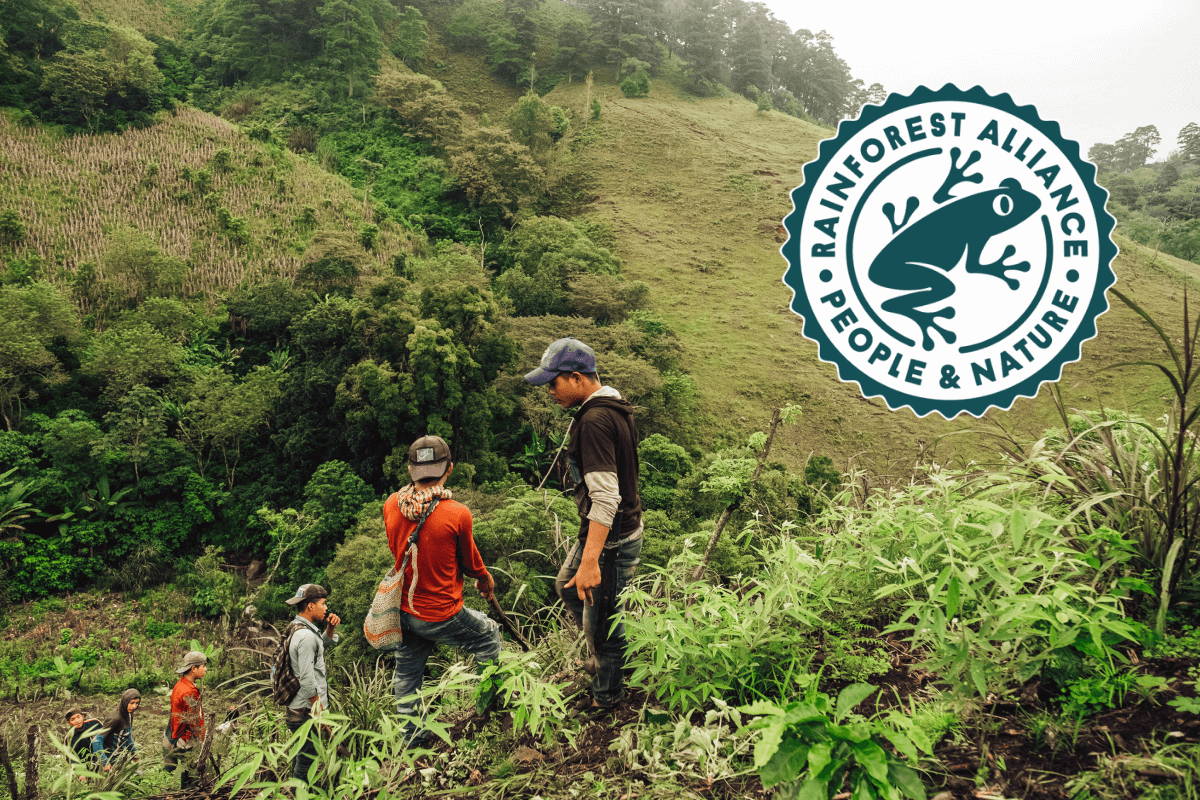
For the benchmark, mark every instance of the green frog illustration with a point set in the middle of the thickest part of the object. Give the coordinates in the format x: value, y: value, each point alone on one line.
x: 918, y: 256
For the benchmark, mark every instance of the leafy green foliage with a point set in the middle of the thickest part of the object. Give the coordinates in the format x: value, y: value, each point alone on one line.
x: 353, y: 574
x: 636, y: 83
x: 333, y: 497
x: 156, y: 629
x: 537, y: 705
x: 739, y: 643
x: 333, y: 263
x: 1143, y: 477
x: 214, y: 589
x: 537, y: 124
x: 542, y: 257
x: 104, y: 78
x: 132, y: 269
x: 1106, y: 688
x: 1129, y: 152
x: 338, y: 41
x: 518, y: 539
x: 820, y: 748
x: 410, y: 36
x: 32, y: 319
x: 997, y: 587
x: 1156, y: 203
x: 501, y: 30
x: 421, y: 106
x: 494, y: 172
x: 12, y: 229
x: 32, y: 31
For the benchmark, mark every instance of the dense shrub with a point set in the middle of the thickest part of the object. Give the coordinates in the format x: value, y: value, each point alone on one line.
x: 359, y: 562
x: 524, y: 540
x: 421, y: 105
x: 104, y: 78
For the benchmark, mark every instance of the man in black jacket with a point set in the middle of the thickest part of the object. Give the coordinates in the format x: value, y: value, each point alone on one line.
x: 602, y: 467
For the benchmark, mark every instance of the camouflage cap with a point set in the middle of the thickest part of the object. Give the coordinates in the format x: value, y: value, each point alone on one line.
x: 307, y: 591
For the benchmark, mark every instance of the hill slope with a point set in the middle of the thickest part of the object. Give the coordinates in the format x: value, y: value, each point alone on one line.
x: 696, y: 189
x: 182, y: 182
x: 161, y: 18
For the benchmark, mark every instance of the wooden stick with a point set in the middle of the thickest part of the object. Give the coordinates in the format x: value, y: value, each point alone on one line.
x: 9, y: 773
x: 508, y: 624
x: 205, y: 750
x: 729, y: 509
x: 31, y: 764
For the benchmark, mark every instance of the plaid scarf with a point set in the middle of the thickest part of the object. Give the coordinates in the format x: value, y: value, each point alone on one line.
x: 414, y: 501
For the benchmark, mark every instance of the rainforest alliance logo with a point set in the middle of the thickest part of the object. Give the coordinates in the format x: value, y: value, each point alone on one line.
x: 949, y: 251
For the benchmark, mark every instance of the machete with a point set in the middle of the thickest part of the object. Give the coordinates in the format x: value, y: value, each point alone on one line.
x: 508, y: 624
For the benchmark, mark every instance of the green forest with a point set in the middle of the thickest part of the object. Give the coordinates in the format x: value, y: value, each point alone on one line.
x: 251, y: 250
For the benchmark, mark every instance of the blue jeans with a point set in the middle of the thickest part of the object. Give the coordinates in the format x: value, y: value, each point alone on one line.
x: 469, y: 630
x: 606, y: 643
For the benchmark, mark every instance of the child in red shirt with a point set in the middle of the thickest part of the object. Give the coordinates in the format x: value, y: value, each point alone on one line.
x: 185, y: 728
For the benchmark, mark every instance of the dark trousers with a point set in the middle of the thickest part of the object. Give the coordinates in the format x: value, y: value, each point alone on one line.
x: 308, y: 752
x: 607, y: 644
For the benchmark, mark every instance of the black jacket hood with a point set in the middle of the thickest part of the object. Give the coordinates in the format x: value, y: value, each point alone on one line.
x: 615, y: 403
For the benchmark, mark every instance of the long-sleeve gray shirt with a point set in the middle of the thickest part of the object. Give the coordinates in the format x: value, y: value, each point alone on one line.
x: 307, y: 654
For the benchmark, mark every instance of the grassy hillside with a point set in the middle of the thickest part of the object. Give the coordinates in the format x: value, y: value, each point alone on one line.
x: 183, y: 182
x: 696, y: 189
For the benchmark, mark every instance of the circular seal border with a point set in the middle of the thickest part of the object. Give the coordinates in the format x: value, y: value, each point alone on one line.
x: 1051, y: 372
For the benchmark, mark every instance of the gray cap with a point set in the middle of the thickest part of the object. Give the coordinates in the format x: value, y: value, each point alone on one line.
x: 307, y: 591
x: 194, y: 658
x: 563, y: 355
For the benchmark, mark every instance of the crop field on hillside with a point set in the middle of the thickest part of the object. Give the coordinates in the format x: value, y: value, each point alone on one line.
x: 194, y: 183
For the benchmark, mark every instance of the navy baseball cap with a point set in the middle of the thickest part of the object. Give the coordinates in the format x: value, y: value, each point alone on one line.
x: 563, y: 355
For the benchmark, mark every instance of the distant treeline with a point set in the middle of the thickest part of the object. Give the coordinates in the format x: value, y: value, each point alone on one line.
x: 1157, y: 204
x: 717, y: 44
x: 103, y: 76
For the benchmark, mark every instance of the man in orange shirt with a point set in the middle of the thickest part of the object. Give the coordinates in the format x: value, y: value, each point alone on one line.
x: 185, y: 729
x: 432, y: 564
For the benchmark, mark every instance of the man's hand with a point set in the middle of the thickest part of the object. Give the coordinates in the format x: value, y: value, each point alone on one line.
x: 486, y: 585
x: 587, y: 578
x: 332, y: 621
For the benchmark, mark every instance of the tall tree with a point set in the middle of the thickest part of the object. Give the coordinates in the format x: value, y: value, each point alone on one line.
x: 30, y: 32
x: 1189, y: 142
x: 816, y: 75
x: 350, y: 39
x: 255, y: 39
x: 750, y: 56
x: 627, y: 29
x: 703, y: 32
x: 1136, y: 148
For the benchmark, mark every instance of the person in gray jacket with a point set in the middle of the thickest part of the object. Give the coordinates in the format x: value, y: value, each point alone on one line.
x: 314, y: 630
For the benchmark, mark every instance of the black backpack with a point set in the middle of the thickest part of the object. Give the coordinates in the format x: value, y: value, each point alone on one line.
x: 284, y: 683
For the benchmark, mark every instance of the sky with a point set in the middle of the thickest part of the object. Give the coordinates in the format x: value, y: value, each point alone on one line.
x: 1100, y: 68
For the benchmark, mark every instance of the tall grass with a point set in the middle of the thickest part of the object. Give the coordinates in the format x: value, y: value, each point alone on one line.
x: 1143, y: 478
